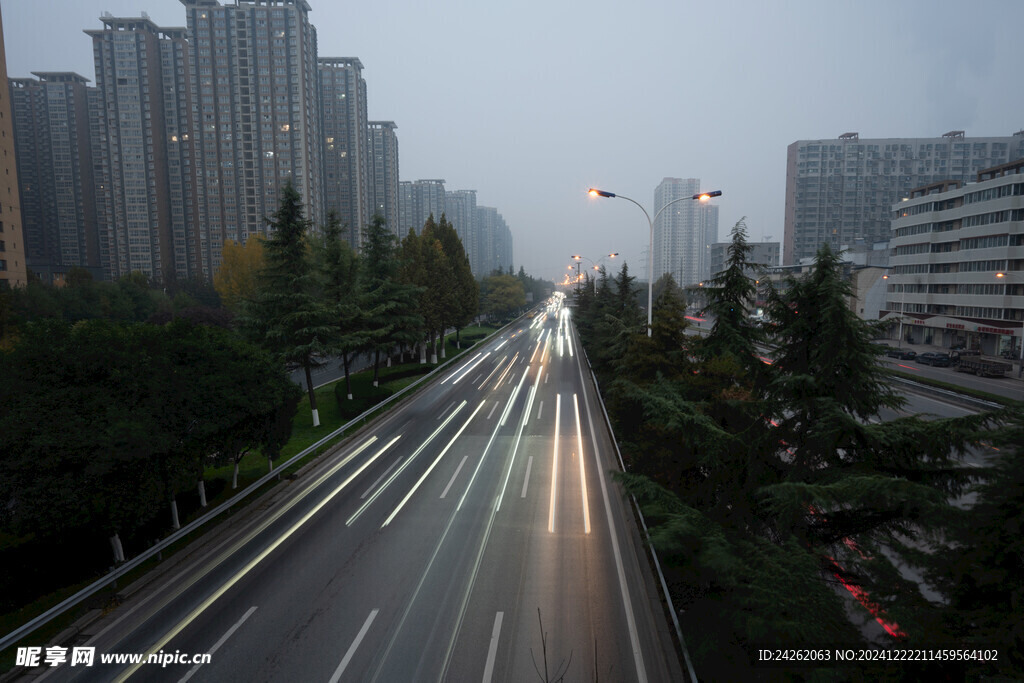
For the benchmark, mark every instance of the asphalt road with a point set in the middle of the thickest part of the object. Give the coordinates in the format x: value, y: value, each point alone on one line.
x: 472, y: 535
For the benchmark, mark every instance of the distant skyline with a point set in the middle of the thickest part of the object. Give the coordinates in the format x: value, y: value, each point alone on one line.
x: 532, y: 103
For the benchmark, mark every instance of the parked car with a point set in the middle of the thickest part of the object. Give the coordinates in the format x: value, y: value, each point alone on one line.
x: 902, y: 354
x: 941, y: 360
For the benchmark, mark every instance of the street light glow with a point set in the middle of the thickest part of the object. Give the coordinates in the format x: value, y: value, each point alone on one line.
x: 594, y: 192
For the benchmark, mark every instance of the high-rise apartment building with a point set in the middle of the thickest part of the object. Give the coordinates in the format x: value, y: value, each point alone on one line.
x: 761, y: 254
x: 50, y: 116
x: 13, y: 271
x: 142, y: 75
x: 495, y: 242
x: 460, y: 209
x: 840, y: 191
x: 383, y: 148
x: 417, y: 201
x: 257, y: 116
x: 683, y: 232
x: 344, y: 128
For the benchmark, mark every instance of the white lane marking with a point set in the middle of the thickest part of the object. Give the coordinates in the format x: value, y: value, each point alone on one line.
x: 526, y: 479
x: 352, y: 648
x: 546, y: 375
x: 509, y: 367
x: 519, y: 434
x: 202, y: 607
x: 374, y: 484
x: 634, y: 638
x: 216, y: 646
x: 554, y: 465
x: 477, y: 377
x: 512, y: 399
x: 540, y: 408
x: 492, y: 651
x: 583, y: 473
x: 445, y: 410
x: 493, y: 409
x: 405, y: 464
x: 537, y: 348
x: 432, y: 466
x: 497, y: 367
x: 470, y: 368
x: 500, y: 345
x: 452, y: 480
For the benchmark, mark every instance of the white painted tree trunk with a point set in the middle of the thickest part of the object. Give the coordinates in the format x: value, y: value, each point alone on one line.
x: 433, y: 350
x: 234, y: 478
x: 389, y: 360
x: 350, y: 397
x: 423, y: 353
x: 270, y: 464
x: 115, y: 544
x: 175, y: 524
x: 316, y: 418
x: 375, y: 383
x: 443, y: 353
x: 202, y: 493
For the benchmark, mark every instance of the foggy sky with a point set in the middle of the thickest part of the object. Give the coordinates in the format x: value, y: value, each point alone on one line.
x: 530, y: 103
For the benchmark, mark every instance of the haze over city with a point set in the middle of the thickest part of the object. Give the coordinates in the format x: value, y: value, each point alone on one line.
x: 530, y: 104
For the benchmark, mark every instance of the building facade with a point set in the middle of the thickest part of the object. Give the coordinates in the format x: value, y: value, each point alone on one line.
x: 957, y: 262
x: 683, y: 232
x: 841, y: 191
x: 256, y: 123
x: 418, y: 201
x: 460, y: 209
x: 346, y: 154
x: 495, y: 242
x: 50, y: 118
x: 383, y: 147
x: 140, y: 71
x: 761, y: 253
x: 13, y: 272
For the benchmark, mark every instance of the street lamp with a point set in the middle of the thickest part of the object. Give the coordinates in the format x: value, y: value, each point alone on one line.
x: 1020, y: 368
x: 703, y: 196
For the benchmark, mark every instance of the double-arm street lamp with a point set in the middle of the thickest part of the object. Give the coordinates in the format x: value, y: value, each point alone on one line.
x: 703, y: 196
x: 578, y: 258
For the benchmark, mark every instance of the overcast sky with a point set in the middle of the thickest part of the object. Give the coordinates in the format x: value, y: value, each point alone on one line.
x: 532, y: 102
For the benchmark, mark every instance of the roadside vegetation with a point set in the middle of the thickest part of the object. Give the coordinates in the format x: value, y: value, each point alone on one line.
x: 779, y: 502
x: 128, y: 409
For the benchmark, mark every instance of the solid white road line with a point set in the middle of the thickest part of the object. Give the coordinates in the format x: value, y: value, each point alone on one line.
x: 374, y: 484
x: 554, y: 465
x: 460, y: 369
x: 216, y: 646
x: 352, y: 648
x: 452, y: 480
x: 432, y: 466
x: 493, y: 409
x: 526, y: 479
x: 583, y: 473
x: 159, y: 645
x: 492, y: 651
x: 627, y: 603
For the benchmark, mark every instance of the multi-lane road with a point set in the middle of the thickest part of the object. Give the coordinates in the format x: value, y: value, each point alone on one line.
x: 473, y: 534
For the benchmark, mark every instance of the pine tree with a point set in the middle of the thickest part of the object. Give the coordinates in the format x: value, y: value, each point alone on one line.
x: 288, y: 315
x: 339, y: 266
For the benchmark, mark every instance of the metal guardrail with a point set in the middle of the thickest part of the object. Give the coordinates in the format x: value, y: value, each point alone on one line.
x: 643, y: 523
x: 951, y: 396
x: 112, y: 576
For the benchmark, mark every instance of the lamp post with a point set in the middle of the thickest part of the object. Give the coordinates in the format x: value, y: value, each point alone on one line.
x: 1020, y: 368
x: 703, y: 196
x: 578, y: 258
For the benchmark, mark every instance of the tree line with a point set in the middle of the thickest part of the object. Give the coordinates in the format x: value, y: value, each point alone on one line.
x: 774, y: 491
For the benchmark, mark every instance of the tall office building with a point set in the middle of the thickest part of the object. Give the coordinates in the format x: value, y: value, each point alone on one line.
x: 141, y: 72
x: 417, y: 201
x: 50, y: 116
x: 840, y: 191
x: 346, y: 143
x: 383, y: 147
x: 460, y: 209
x: 684, y: 232
x: 12, y: 247
x: 257, y: 116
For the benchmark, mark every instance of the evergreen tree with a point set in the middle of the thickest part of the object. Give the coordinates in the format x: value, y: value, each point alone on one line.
x: 342, y: 294
x: 390, y: 304
x: 288, y: 314
x: 465, y: 292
